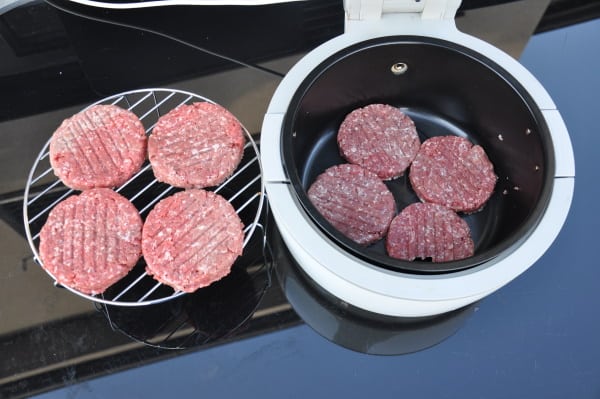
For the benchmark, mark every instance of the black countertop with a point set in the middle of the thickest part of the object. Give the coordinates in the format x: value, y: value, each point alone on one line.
x: 535, y: 337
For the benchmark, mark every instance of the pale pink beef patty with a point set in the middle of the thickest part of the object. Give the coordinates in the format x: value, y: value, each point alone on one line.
x: 195, y: 146
x: 91, y: 240
x: 380, y: 138
x: 355, y: 201
x: 191, y: 239
x: 451, y: 171
x: 102, y: 146
x: 423, y: 230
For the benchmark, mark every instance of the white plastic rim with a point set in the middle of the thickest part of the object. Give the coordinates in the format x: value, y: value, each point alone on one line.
x: 393, y: 293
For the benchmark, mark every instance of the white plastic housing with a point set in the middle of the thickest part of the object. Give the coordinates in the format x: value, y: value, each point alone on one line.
x: 370, y: 287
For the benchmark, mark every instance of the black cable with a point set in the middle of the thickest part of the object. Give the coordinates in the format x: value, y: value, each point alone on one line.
x: 167, y: 36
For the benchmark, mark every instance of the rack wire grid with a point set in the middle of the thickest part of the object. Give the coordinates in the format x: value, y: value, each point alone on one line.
x: 244, y: 189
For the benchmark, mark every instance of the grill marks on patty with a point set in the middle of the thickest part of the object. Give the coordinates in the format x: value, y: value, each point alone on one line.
x: 380, y: 138
x: 451, y: 171
x: 424, y: 230
x: 191, y: 239
x: 91, y: 240
x: 195, y: 146
x: 355, y: 201
x: 102, y: 146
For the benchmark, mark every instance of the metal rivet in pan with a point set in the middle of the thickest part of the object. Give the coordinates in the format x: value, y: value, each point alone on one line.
x: 500, y: 137
x: 399, y: 68
x: 528, y: 132
x: 537, y: 168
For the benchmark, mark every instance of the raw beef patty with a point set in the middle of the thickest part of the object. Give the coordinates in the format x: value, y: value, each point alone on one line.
x: 380, y: 138
x: 355, y: 201
x: 196, y: 146
x: 433, y: 231
x: 451, y: 171
x: 91, y: 240
x: 191, y: 239
x: 102, y: 146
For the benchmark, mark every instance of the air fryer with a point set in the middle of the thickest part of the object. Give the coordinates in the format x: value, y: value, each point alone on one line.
x: 410, y: 55
x: 447, y: 90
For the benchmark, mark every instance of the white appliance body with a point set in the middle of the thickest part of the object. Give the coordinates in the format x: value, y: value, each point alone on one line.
x: 355, y: 280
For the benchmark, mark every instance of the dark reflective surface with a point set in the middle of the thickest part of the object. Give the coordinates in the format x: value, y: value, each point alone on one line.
x: 535, y: 337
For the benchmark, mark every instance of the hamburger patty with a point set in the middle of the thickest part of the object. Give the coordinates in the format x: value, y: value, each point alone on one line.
x: 191, y: 239
x: 451, y: 171
x: 91, y: 240
x: 355, y: 201
x: 102, y: 146
x: 196, y: 146
x: 433, y: 231
x: 380, y: 138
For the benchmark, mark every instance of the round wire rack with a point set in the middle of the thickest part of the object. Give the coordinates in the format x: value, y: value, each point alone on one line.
x: 244, y: 189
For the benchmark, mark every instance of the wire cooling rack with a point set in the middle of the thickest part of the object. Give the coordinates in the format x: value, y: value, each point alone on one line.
x: 244, y: 189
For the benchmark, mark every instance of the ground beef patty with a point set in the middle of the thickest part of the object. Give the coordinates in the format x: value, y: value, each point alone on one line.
x: 380, y: 138
x: 91, y: 240
x: 191, y: 239
x: 433, y: 231
x: 355, y: 201
x: 102, y: 146
x: 451, y: 171
x: 195, y: 146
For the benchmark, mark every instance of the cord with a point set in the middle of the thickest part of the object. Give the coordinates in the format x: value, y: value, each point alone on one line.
x: 167, y: 36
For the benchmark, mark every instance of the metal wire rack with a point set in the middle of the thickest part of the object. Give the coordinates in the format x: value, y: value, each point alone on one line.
x: 244, y: 189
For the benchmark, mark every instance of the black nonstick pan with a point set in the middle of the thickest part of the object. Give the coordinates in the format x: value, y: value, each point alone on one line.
x: 446, y: 89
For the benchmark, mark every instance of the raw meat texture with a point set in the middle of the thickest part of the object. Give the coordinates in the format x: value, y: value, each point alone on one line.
x: 195, y: 146
x: 91, y: 240
x: 355, y: 201
x: 102, y: 146
x: 191, y: 239
x: 380, y: 138
x: 451, y: 171
x: 433, y: 231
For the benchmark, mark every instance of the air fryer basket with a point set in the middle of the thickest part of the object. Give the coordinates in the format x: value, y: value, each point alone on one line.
x: 447, y: 89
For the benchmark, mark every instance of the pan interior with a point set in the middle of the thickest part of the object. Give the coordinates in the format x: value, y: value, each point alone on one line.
x: 447, y: 90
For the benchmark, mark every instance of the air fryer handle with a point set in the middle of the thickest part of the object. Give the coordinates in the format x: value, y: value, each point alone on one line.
x: 360, y: 10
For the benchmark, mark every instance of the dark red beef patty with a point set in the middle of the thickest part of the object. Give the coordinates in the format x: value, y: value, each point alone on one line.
x: 451, y: 171
x: 191, y: 239
x: 196, y: 146
x: 102, y: 146
x: 355, y: 201
x: 380, y: 138
x: 433, y: 231
x: 91, y: 240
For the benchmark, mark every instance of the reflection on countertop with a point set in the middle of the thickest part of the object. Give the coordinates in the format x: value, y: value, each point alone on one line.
x: 49, y: 337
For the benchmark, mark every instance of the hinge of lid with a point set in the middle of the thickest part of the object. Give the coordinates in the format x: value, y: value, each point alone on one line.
x: 364, y: 10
